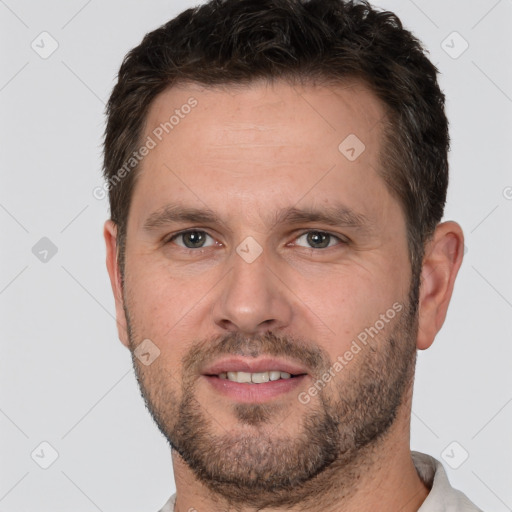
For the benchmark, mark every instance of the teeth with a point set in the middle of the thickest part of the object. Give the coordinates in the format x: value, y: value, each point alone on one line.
x: 243, y: 377
x: 274, y: 375
x: 258, y: 378
x: 254, y: 378
x: 239, y: 376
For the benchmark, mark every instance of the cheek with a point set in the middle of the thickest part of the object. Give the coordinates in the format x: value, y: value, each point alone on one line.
x: 165, y: 310
x: 158, y: 298
x: 349, y: 301
x: 152, y: 305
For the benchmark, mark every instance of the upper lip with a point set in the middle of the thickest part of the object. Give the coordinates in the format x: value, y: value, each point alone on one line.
x: 264, y: 364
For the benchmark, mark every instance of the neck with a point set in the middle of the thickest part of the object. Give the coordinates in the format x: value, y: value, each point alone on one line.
x: 382, y: 477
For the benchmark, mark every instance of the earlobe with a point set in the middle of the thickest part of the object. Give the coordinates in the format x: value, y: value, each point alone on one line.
x: 110, y: 235
x: 441, y: 263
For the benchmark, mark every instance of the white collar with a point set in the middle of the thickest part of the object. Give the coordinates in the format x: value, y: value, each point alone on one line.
x: 442, y: 497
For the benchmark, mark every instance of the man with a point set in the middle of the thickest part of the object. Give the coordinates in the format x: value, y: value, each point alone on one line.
x: 277, y: 174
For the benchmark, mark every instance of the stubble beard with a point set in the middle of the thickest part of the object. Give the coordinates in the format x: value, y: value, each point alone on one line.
x: 338, y: 432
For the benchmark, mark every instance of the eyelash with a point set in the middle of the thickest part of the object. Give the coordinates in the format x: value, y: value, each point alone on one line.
x: 341, y: 241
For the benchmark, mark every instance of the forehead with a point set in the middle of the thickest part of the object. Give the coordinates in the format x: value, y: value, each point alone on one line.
x: 272, y: 142
x: 275, y: 114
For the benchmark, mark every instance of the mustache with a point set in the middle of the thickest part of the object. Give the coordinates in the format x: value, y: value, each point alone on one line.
x: 314, y: 358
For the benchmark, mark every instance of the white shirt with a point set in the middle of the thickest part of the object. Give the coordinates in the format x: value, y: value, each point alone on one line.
x: 441, y: 498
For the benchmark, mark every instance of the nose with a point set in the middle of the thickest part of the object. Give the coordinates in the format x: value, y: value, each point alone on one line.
x: 252, y: 298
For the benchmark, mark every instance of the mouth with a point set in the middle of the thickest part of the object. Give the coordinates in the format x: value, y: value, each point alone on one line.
x: 256, y: 377
x: 253, y: 381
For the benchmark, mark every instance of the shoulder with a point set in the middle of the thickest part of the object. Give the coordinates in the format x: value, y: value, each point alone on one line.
x: 442, y: 497
x: 169, y: 506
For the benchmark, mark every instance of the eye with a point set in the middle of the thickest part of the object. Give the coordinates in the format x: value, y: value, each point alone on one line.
x: 192, y: 239
x: 318, y: 240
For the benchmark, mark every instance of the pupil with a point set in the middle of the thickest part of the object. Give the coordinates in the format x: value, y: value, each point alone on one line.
x: 318, y: 239
x: 193, y: 239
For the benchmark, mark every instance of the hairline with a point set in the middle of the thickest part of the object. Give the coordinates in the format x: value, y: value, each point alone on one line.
x: 388, y: 138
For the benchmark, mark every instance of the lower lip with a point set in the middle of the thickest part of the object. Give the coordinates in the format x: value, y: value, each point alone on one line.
x: 254, y: 393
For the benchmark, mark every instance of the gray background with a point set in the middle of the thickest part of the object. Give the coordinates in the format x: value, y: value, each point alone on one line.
x: 66, y: 379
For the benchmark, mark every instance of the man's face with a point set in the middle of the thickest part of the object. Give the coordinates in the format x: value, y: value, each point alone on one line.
x: 293, y: 248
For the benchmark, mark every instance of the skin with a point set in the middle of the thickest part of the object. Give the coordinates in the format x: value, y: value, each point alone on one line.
x: 245, y: 154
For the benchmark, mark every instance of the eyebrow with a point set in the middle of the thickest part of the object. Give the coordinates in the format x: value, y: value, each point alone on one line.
x: 337, y: 215
x: 177, y: 213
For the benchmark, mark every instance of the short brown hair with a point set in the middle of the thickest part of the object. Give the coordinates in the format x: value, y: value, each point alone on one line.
x: 240, y: 41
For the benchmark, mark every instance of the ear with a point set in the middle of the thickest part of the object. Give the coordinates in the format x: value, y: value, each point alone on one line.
x: 441, y: 263
x: 110, y: 234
